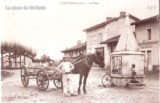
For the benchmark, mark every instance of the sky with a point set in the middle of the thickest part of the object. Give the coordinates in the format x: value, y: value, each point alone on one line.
x: 60, y: 25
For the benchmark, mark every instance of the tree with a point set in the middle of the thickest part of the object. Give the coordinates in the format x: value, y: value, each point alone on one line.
x: 21, y: 52
x: 6, y: 47
x: 9, y: 50
x: 33, y: 53
x: 16, y: 51
x: 44, y: 57
x: 2, y: 52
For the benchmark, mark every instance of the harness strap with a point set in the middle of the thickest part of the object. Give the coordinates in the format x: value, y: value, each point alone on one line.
x: 79, y: 61
x: 86, y: 62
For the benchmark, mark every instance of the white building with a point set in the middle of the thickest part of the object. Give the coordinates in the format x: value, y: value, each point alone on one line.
x: 107, y: 33
x: 75, y: 50
x: 23, y: 61
x: 147, y: 36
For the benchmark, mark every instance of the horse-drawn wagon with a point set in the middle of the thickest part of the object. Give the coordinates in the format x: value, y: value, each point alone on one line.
x: 42, y: 75
x: 82, y: 65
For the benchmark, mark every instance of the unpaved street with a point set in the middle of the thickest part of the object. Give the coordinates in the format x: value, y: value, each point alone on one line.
x: 14, y: 91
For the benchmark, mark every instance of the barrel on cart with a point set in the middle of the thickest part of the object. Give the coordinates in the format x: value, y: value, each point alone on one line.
x: 42, y: 75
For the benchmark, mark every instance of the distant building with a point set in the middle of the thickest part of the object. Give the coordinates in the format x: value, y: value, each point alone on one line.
x: 75, y: 50
x: 147, y: 36
x: 103, y: 37
x: 40, y: 62
x: 23, y: 61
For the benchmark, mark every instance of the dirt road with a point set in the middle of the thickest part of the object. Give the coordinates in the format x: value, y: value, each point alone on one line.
x: 14, y: 91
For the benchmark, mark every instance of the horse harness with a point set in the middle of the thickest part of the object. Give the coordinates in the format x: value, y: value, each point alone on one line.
x: 86, y: 61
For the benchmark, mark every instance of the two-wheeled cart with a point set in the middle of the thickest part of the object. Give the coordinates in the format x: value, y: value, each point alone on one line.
x: 42, y: 75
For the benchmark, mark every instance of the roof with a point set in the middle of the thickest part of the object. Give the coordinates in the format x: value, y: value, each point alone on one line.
x: 82, y: 45
x: 146, y: 20
x: 107, y: 22
x: 114, y: 39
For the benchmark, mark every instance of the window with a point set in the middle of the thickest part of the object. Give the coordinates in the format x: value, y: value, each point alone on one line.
x: 117, y: 65
x: 90, y: 39
x: 111, y: 47
x: 93, y: 40
x: 149, y: 57
x: 134, y: 34
x: 100, y: 37
x: 77, y: 52
x: 71, y: 53
x: 149, y: 34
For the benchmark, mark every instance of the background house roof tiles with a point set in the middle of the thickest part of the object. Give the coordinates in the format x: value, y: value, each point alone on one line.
x: 112, y: 20
x: 146, y: 20
x: 82, y: 45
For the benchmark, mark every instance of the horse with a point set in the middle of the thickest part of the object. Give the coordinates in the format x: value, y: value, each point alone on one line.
x: 82, y: 65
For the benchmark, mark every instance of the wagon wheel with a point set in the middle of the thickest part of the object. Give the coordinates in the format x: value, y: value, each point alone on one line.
x: 106, y: 80
x: 57, y: 83
x: 24, y: 76
x: 42, y: 80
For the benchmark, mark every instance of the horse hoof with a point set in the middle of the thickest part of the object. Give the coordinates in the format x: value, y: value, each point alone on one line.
x: 79, y: 93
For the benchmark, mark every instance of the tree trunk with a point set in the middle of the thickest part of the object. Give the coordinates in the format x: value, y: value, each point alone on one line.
x: 2, y: 60
x: 20, y: 61
x: 24, y: 60
x: 10, y: 65
x: 15, y: 61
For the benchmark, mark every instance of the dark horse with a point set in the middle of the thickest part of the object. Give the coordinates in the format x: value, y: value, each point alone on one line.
x: 83, y: 64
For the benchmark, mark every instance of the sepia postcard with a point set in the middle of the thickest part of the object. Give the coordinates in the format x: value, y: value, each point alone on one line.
x: 79, y: 51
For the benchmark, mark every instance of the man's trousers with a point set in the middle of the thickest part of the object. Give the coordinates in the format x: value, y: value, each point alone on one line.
x: 67, y: 83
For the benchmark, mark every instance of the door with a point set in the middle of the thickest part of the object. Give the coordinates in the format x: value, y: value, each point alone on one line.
x: 101, y: 50
x: 149, y: 60
x: 145, y: 60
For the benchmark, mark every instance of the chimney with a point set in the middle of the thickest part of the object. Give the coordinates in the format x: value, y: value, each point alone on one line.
x: 78, y: 42
x: 122, y: 13
x: 108, y: 18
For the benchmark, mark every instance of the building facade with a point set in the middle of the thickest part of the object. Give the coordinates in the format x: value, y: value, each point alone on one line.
x: 75, y: 50
x: 19, y: 61
x: 147, y: 36
x: 110, y: 30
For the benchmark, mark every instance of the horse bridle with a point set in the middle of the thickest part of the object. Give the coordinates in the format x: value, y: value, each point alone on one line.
x: 96, y: 58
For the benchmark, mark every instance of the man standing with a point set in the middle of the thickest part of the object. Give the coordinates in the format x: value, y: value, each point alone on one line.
x: 66, y: 68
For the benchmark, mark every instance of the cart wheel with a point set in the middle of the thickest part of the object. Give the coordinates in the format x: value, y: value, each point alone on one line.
x: 106, y: 80
x: 42, y: 80
x: 24, y: 76
x: 57, y: 83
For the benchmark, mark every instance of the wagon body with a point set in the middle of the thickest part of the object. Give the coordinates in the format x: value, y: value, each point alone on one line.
x: 42, y: 75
